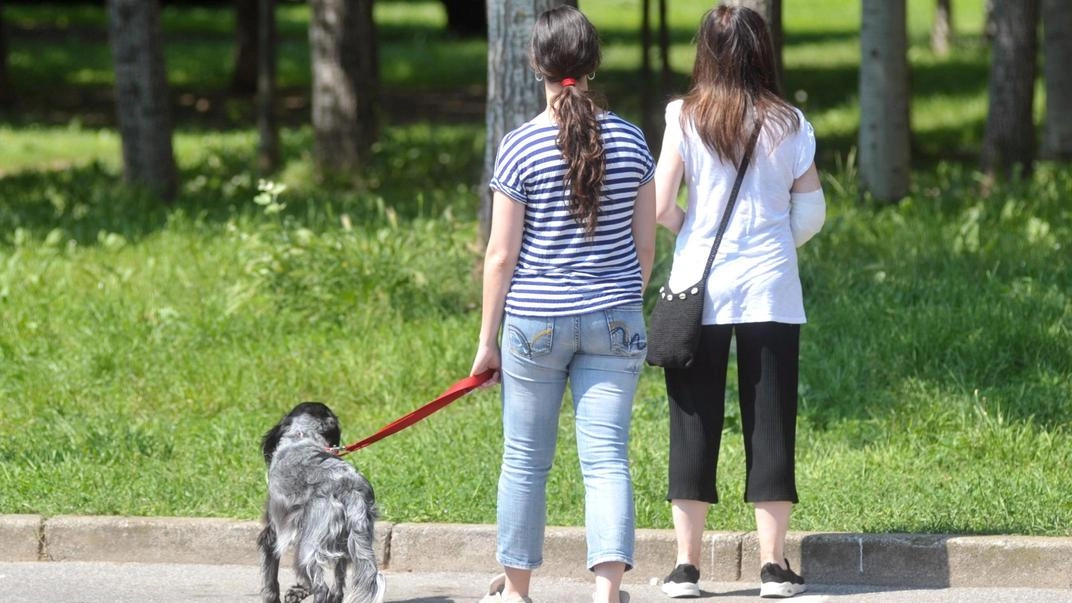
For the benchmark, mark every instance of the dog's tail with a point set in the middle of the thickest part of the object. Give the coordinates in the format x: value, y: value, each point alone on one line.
x: 365, y: 582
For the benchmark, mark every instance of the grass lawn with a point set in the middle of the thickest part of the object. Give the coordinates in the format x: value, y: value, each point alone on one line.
x: 144, y: 350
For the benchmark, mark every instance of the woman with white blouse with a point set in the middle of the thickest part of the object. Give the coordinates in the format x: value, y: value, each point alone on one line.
x: 753, y: 292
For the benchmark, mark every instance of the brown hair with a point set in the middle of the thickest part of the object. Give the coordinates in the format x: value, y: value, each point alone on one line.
x: 735, y: 82
x: 565, y: 45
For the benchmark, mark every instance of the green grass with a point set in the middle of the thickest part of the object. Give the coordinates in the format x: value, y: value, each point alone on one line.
x: 144, y: 350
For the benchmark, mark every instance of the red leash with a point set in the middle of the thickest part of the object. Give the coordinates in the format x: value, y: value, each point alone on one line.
x: 459, y: 389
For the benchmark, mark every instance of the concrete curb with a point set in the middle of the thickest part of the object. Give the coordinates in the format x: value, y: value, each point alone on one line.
x: 905, y: 560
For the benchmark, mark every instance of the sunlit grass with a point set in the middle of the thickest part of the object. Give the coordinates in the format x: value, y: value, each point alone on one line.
x: 169, y: 340
x: 43, y: 147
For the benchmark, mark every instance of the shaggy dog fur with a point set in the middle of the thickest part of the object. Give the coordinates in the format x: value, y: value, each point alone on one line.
x: 322, y: 505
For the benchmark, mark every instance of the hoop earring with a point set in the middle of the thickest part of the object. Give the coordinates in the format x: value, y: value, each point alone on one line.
x: 539, y: 77
x: 592, y: 76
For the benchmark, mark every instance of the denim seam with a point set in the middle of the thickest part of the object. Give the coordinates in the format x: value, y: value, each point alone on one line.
x: 611, y: 558
x: 506, y: 562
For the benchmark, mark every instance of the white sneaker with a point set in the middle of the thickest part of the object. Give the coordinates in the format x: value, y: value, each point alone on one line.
x: 495, y: 588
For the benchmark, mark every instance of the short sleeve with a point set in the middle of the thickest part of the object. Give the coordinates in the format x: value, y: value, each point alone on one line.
x: 673, y: 135
x: 647, y: 161
x: 508, y: 176
x: 804, y: 140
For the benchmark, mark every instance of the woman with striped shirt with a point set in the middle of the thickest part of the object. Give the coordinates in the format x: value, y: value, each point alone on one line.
x: 570, y: 251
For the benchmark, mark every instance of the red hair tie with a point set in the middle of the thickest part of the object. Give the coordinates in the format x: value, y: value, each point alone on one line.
x: 568, y: 81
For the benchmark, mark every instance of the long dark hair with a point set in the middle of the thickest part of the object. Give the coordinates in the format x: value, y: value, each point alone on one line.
x: 735, y: 82
x: 565, y: 44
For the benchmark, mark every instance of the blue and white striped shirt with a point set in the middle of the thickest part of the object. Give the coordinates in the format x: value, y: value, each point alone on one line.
x: 560, y: 271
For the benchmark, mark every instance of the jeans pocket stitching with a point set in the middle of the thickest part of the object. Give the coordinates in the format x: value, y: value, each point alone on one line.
x: 539, y: 344
x: 625, y: 338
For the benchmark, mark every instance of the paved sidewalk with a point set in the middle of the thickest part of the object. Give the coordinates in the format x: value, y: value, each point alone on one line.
x: 903, y: 561
x: 82, y: 582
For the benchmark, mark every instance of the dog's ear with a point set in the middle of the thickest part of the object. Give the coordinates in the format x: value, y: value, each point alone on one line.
x: 271, y: 441
x: 332, y: 433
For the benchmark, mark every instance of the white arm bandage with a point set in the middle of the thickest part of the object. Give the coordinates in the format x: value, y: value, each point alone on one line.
x: 807, y: 212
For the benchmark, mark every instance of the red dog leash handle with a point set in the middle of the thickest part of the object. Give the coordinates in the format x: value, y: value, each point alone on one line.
x: 459, y: 389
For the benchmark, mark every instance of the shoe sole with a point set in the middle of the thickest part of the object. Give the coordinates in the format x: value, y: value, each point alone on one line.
x: 681, y: 590
x: 780, y: 590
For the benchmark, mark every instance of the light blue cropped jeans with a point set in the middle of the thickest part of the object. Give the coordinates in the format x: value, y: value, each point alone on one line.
x: 600, y: 354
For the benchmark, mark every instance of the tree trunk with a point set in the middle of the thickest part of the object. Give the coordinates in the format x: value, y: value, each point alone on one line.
x: 244, y: 78
x: 141, y: 95
x: 647, y: 91
x: 267, y: 123
x: 466, y: 18
x: 667, y: 74
x: 1057, y: 25
x: 1009, y: 140
x: 942, y: 30
x: 342, y: 40
x: 988, y: 20
x: 7, y: 95
x: 514, y: 95
x: 650, y: 108
x: 884, y: 101
x: 772, y: 14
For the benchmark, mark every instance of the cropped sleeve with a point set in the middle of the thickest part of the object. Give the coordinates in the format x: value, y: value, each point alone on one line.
x: 647, y: 162
x: 673, y: 135
x: 508, y: 177
x: 804, y: 141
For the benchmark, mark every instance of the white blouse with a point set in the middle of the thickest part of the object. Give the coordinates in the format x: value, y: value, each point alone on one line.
x: 754, y: 277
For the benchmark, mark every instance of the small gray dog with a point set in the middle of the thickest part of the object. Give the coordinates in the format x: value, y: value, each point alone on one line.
x: 322, y: 505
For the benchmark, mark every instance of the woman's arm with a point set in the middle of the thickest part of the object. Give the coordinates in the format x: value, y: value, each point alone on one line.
x: 808, y: 181
x: 644, y: 229
x: 807, y: 206
x: 500, y: 258
x: 668, y: 174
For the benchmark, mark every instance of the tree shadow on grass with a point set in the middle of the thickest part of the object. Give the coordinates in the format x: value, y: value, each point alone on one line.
x: 416, y: 171
x: 80, y: 201
x: 954, y: 143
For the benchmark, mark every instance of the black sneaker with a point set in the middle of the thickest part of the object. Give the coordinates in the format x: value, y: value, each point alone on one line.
x: 682, y: 582
x: 778, y: 583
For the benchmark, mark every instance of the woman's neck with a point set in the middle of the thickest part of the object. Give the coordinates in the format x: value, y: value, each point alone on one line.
x: 551, y: 89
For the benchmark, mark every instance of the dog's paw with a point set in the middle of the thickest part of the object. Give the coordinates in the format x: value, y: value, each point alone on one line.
x: 296, y: 594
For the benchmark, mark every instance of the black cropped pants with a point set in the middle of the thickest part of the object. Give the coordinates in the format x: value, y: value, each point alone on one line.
x: 767, y: 369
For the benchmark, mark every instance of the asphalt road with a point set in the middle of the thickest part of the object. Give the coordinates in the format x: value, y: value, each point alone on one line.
x: 78, y: 582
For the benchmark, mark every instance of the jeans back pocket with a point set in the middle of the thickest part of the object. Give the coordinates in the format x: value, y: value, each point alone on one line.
x: 530, y: 336
x: 628, y: 334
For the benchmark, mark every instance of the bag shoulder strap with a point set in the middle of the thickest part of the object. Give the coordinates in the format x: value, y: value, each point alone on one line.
x: 733, y: 197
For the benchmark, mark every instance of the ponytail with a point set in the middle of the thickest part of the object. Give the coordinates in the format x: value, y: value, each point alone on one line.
x: 581, y: 144
x: 565, y: 46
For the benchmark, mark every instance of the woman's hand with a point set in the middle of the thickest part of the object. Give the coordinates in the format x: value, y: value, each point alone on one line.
x: 488, y: 358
